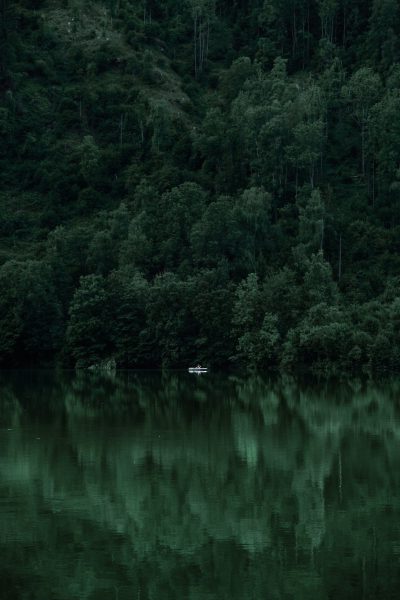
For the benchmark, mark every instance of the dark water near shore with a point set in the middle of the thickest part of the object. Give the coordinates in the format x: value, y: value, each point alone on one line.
x: 153, y: 487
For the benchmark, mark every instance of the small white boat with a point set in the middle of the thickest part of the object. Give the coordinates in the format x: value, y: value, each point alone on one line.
x: 198, y: 370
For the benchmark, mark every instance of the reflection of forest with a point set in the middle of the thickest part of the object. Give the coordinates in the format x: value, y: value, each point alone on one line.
x: 158, y: 486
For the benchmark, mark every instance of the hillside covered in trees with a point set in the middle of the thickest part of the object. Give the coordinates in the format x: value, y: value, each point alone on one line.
x: 200, y: 180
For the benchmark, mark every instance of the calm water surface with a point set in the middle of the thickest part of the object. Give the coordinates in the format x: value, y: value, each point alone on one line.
x: 152, y: 487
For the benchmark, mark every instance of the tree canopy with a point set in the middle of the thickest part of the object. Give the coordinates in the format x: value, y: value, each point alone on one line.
x: 204, y: 180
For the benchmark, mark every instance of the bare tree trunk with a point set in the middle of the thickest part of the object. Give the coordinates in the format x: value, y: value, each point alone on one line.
x: 3, y: 33
x: 195, y: 45
x: 332, y: 28
x: 363, y: 147
x: 373, y: 183
x: 340, y: 258
x: 322, y: 235
x: 202, y: 13
x: 344, y: 27
x: 321, y: 162
x: 364, y: 577
x: 294, y: 31
x: 201, y: 44
x: 141, y: 126
x: 121, y: 129
x: 208, y: 36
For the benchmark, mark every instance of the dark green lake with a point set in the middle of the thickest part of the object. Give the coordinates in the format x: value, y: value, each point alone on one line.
x: 179, y: 487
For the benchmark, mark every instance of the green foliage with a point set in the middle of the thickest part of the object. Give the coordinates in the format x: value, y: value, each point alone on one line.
x: 88, y: 332
x: 256, y: 330
x: 195, y: 178
x: 130, y: 294
x: 311, y: 224
x: 89, y: 155
x: 383, y: 42
x: 318, y: 282
x: 30, y: 322
x: 215, y: 237
x: 170, y: 322
x: 233, y: 80
x: 322, y: 337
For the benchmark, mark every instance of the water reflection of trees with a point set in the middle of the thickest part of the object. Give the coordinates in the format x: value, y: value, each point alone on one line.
x: 223, y: 486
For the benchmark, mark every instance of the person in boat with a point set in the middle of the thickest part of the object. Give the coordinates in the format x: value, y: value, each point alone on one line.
x: 198, y: 366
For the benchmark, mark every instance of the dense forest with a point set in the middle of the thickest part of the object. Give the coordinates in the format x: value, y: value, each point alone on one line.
x: 200, y: 180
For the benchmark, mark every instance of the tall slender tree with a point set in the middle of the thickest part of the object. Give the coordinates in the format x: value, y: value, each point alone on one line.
x: 202, y: 12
